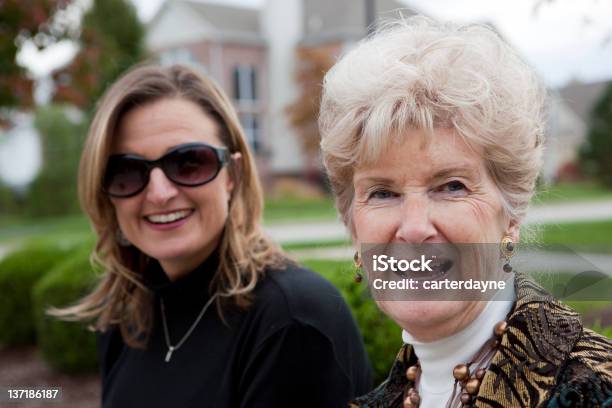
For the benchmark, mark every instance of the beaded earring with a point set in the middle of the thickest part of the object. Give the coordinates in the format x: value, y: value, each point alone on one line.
x: 507, y: 249
x: 358, y: 265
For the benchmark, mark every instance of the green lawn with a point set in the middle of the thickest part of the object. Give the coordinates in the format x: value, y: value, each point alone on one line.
x: 585, y: 306
x: 587, y: 235
x: 595, y: 237
x: 64, y: 227
x: 296, y: 209
x: 595, y: 232
x: 571, y: 192
x: 292, y: 246
x: 276, y: 211
x: 287, y: 210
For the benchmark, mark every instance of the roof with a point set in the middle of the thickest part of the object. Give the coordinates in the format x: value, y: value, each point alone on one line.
x: 227, y: 18
x: 582, y: 97
x: 327, y: 21
x: 230, y: 23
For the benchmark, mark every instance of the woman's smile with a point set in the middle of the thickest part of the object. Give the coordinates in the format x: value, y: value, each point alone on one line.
x: 168, y: 220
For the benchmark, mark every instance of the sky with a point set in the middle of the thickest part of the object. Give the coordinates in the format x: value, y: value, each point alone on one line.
x: 563, y: 40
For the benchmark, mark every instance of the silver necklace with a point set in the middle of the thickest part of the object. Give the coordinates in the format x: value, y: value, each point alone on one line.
x: 178, y: 345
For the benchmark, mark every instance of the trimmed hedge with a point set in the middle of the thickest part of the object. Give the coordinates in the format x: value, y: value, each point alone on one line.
x: 66, y: 346
x: 29, y: 284
x: 19, y: 271
x: 382, y: 336
x: 70, y: 347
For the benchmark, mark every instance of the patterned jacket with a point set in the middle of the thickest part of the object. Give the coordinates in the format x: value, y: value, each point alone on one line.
x: 546, y: 359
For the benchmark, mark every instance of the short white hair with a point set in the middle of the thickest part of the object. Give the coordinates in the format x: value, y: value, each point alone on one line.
x: 416, y: 73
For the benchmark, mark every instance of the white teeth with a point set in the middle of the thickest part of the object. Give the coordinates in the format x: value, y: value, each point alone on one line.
x: 170, y: 217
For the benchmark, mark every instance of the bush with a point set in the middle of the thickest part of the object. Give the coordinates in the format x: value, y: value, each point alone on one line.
x: 18, y: 273
x: 382, y: 337
x: 67, y: 346
x: 596, y: 152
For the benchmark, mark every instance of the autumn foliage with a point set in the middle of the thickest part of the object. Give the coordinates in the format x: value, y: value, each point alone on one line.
x: 313, y: 63
x: 23, y: 20
x: 111, y: 40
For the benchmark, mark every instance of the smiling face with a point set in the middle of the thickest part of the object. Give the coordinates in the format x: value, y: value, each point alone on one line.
x: 434, y: 192
x: 179, y: 226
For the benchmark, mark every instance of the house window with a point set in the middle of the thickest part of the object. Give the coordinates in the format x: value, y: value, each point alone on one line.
x: 245, y: 83
x: 250, y: 124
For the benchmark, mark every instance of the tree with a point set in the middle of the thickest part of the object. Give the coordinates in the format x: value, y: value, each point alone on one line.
x: 54, y: 191
x: 112, y: 39
x: 23, y: 21
x: 597, y: 151
x: 313, y: 64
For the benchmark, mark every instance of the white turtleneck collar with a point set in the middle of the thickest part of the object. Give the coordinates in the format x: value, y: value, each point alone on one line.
x: 439, y: 357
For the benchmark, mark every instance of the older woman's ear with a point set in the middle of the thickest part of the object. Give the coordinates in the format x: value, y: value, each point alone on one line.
x: 514, y: 230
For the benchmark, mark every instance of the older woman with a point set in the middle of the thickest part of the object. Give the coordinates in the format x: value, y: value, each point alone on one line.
x: 196, y: 307
x: 432, y: 135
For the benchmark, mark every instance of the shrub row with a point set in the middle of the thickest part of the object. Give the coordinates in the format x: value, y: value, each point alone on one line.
x: 45, y: 274
x: 67, y: 346
x: 39, y: 275
x: 19, y: 271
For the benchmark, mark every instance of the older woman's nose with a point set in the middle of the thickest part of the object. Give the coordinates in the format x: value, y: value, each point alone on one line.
x: 415, y: 225
x: 160, y: 190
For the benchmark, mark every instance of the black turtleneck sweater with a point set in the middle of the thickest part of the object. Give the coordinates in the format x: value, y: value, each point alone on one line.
x: 297, y: 345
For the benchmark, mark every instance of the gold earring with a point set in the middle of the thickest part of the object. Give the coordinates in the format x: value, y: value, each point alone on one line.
x: 358, y: 264
x: 507, y: 249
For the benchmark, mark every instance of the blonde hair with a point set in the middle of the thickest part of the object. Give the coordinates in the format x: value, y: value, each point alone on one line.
x: 244, y: 252
x: 416, y: 73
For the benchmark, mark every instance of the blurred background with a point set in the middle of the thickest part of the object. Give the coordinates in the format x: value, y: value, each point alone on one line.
x: 58, y: 56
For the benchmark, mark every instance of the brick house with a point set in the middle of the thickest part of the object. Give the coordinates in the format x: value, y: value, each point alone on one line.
x: 226, y: 43
x: 254, y: 54
x: 251, y: 53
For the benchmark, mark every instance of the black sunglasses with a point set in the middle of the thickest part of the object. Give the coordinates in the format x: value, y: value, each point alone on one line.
x: 191, y: 165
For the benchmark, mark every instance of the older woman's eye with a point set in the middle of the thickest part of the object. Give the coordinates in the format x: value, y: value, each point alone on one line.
x: 381, y: 194
x: 455, y: 186
x: 452, y: 187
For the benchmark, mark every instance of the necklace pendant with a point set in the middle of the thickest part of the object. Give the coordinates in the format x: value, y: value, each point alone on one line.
x: 169, y: 354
